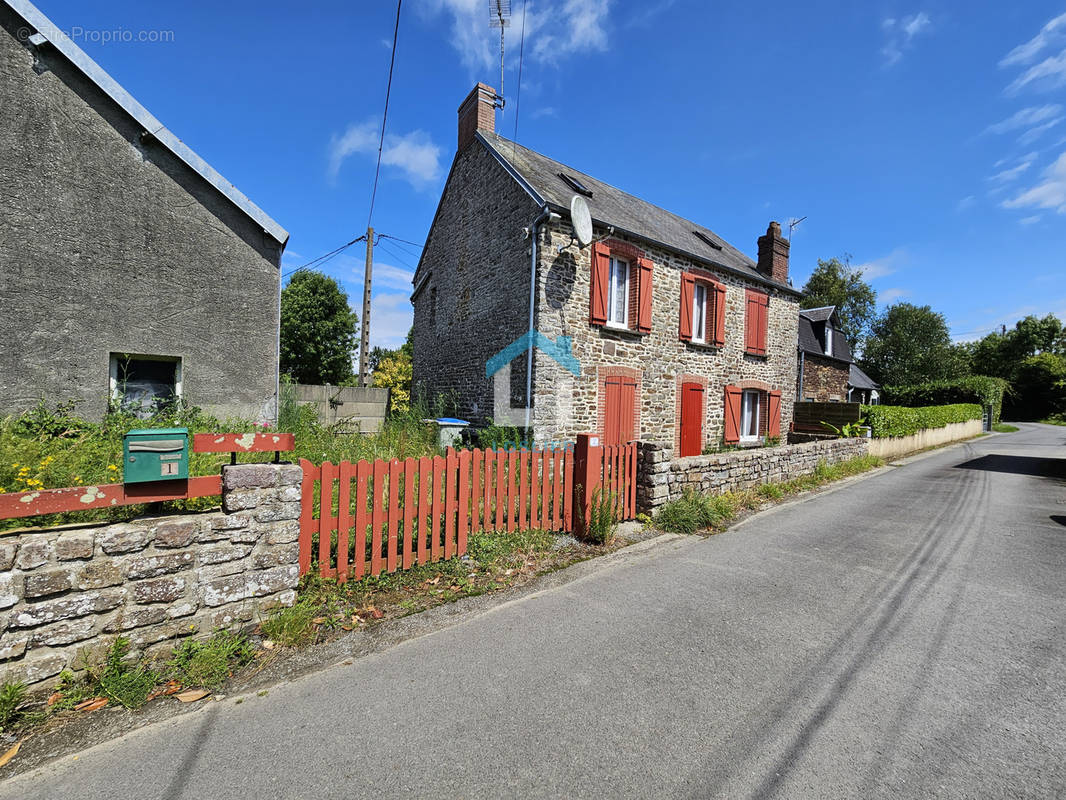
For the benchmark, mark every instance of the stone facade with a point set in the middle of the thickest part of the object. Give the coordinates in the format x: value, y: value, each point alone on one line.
x: 471, y: 300
x: 111, y: 245
x: 65, y: 592
x: 661, y: 479
x: 825, y: 380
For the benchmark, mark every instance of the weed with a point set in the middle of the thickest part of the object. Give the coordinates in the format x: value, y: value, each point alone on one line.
x: 1003, y: 427
x: 72, y: 691
x: 11, y: 696
x: 292, y: 626
x: 693, y: 511
x: 208, y: 663
x: 771, y: 491
x: 602, y: 517
x: 124, y: 683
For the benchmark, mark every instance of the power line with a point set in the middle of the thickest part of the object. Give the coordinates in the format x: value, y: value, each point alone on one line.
x: 398, y: 239
x: 402, y: 259
x: 518, y: 91
x: 322, y: 259
x: 385, y: 115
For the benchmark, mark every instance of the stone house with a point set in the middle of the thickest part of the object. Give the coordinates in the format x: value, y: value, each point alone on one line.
x: 128, y: 266
x: 824, y: 357
x: 658, y: 331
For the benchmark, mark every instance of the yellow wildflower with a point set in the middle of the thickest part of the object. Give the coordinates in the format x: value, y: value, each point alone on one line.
x: 112, y: 467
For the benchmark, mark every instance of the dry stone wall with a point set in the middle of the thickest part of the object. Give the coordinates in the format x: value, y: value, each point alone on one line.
x: 660, y: 479
x: 66, y: 592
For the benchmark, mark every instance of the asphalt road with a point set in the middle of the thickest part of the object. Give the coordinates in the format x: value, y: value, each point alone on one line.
x: 902, y: 636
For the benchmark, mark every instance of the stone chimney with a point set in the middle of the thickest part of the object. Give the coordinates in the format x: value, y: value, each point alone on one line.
x: 773, y: 254
x: 477, y: 112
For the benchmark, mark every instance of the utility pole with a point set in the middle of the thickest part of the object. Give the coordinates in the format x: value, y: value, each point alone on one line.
x: 364, y: 345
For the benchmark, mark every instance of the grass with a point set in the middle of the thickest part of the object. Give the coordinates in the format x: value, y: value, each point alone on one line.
x: 492, y: 561
x: 208, y: 663
x: 11, y: 696
x: 51, y: 447
x: 121, y: 681
x: 694, y: 512
x: 1003, y: 427
x: 1057, y: 420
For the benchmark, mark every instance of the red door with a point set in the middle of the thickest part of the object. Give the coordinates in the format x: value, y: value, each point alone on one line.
x: 619, y: 402
x: 691, y: 419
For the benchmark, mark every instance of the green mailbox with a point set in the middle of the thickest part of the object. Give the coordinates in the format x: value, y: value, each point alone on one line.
x: 161, y: 454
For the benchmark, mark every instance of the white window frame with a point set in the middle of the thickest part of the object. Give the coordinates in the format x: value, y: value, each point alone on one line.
x: 699, y: 312
x: 749, y: 415
x: 113, y: 370
x: 616, y: 266
x: 828, y: 340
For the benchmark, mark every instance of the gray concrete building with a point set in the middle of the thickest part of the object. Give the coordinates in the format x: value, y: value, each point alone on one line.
x: 129, y: 267
x: 658, y: 331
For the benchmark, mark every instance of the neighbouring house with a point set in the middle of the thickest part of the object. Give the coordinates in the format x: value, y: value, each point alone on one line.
x: 129, y: 268
x: 824, y: 357
x: 658, y: 331
x: 862, y: 388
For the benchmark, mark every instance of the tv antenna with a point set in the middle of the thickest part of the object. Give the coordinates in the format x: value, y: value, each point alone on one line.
x: 793, y: 223
x: 500, y: 17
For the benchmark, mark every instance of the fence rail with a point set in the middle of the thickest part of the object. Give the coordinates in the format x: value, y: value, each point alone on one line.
x: 380, y: 516
x: 15, y: 505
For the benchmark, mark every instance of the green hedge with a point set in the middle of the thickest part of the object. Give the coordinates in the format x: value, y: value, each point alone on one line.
x: 888, y: 421
x: 974, y: 389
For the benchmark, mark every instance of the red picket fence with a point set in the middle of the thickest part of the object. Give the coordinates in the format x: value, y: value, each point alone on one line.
x: 389, y: 515
x: 619, y: 476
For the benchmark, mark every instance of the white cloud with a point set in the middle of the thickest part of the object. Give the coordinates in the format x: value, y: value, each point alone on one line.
x: 1049, y: 193
x: 1048, y: 74
x: 966, y: 202
x: 414, y: 153
x: 886, y: 265
x: 554, y: 30
x: 391, y: 315
x: 1012, y: 173
x: 1030, y: 220
x: 900, y: 33
x: 546, y: 111
x: 1027, y: 117
x: 1051, y: 34
x: 889, y: 296
x: 1033, y: 134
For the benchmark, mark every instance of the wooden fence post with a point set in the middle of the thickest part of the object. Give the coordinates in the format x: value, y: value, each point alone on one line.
x: 588, y: 465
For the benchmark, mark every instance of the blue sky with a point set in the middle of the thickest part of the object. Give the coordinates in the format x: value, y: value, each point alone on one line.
x: 925, y: 139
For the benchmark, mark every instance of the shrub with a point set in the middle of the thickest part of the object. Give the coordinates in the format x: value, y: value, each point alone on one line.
x: 889, y: 421
x: 973, y: 389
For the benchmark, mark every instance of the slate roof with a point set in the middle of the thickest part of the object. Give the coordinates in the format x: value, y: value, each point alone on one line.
x: 818, y: 314
x: 812, y: 332
x: 539, y: 175
x: 860, y: 380
x: 47, y: 32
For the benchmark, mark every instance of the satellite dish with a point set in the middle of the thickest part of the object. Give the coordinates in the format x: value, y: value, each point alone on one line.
x: 581, y: 220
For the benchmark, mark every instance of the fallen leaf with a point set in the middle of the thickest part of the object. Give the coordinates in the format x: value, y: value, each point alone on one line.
x: 268, y: 644
x: 376, y: 613
x: 318, y: 620
x: 92, y: 704
x: 357, y: 619
x: 347, y: 627
x: 193, y: 695
x: 434, y: 582
x: 54, y: 698
x: 172, y: 687
x: 10, y: 754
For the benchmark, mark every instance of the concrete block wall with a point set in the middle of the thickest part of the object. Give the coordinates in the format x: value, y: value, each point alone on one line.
x: 661, y: 479
x: 67, y: 592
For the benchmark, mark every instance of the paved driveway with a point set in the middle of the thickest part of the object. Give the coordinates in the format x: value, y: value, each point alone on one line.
x: 902, y: 636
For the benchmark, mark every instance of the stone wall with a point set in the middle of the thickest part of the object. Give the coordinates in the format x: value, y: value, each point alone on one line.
x: 66, y: 591
x: 660, y: 479
x: 824, y: 380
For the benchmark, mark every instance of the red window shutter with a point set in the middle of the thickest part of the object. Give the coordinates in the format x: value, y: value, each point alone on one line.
x: 764, y: 314
x: 718, y: 315
x: 599, y: 284
x: 755, y: 314
x: 733, y: 397
x: 774, y: 422
x: 644, y: 295
x: 688, y: 287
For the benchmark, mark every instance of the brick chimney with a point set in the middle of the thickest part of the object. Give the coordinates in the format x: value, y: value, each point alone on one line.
x: 773, y: 254
x: 477, y: 112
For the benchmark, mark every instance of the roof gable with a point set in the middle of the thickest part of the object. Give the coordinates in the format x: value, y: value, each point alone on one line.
x: 610, y: 206
x: 47, y: 31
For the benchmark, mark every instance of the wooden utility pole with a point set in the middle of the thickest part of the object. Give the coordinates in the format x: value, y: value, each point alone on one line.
x: 364, y: 345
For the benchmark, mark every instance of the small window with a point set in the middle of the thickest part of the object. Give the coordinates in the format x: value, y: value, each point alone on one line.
x: 142, y: 385
x: 699, y: 313
x: 618, y: 298
x: 575, y: 184
x: 707, y: 240
x: 749, y: 416
x: 828, y: 340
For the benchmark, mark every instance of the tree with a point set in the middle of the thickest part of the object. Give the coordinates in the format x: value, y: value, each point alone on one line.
x: 394, y: 371
x: 1039, y: 387
x: 836, y: 283
x: 318, y: 330
x: 1001, y: 354
x: 910, y: 344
